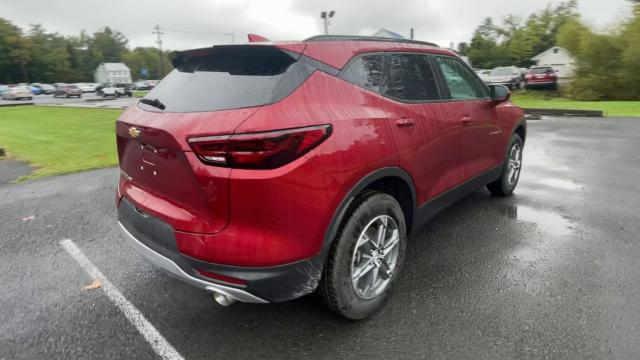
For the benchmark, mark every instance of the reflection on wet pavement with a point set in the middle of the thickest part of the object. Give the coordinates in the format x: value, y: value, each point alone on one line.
x: 560, y: 183
x: 546, y: 220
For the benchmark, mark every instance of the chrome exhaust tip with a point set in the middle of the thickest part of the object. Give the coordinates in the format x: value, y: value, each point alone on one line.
x: 223, y: 299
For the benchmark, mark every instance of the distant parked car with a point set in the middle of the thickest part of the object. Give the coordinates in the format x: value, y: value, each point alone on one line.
x: 48, y: 89
x: 3, y: 88
x: 508, y: 76
x: 17, y: 93
x: 35, y: 90
x: 124, y: 89
x: 483, y: 74
x: 152, y: 83
x: 68, y: 91
x: 85, y: 88
x: 45, y: 88
x: 106, y: 90
x: 541, y: 76
x: 141, y: 85
x: 117, y: 90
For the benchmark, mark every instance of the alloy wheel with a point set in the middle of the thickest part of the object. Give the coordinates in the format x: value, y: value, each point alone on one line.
x: 375, y: 257
x: 514, y: 165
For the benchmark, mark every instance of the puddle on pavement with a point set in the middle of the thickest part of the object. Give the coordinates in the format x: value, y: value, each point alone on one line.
x: 548, y: 221
x: 560, y: 184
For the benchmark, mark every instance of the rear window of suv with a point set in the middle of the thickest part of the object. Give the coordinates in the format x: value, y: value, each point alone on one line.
x: 540, y: 70
x: 229, y: 77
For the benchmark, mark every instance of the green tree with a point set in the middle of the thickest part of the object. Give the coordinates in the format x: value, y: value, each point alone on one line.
x: 606, y: 63
x: 514, y: 42
x: 107, y: 46
x: 20, y: 55
x: 80, y: 60
x: 146, y: 58
x: 49, y: 56
x: 8, y: 38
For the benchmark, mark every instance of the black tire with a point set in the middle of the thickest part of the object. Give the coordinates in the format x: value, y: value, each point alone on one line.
x: 503, y: 186
x: 336, y: 287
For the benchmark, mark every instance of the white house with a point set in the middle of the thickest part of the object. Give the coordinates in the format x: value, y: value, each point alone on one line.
x: 559, y: 59
x: 388, y: 34
x: 112, y: 73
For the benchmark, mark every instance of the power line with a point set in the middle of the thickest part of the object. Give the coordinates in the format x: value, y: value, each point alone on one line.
x: 232, y: 35
x: 156, y: 31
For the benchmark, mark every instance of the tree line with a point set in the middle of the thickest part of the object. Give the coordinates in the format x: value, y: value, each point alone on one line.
x: 607, y: 65
x: 515, y: 41
x: 36, y: 55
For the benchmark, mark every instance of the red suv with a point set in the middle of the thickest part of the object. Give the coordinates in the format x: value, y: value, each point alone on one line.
x: 263, y: 172
x: 541, y: 76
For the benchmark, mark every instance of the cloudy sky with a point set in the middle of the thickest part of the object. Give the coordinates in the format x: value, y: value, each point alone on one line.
x: 196, y: 23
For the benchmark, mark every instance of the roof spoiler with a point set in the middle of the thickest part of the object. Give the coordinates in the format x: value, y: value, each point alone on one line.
x: 257, y: 38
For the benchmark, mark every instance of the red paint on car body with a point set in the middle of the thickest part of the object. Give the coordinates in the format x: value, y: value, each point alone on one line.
x: 267, y: 217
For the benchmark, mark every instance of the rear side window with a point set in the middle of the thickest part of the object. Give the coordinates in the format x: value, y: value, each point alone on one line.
x: 462, y: 83
x: 365, y: 71
x: 409, y: 77
x: 229, y: 77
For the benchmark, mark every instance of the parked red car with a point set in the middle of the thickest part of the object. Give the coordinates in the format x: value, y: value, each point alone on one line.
x: 541, y: 76
x: 67, y: 91
x: 263, y: 172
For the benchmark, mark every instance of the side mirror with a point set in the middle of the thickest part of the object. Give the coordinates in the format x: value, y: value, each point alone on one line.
x: 499, y: 93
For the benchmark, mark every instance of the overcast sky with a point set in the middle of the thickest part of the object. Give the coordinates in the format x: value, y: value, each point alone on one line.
x: 197, y: 23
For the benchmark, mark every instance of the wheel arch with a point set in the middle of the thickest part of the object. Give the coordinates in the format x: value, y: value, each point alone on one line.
x: 520, y: 128
x: 394, y: 181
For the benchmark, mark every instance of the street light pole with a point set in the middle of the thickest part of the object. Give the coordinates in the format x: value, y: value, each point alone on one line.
x: 326, y: 16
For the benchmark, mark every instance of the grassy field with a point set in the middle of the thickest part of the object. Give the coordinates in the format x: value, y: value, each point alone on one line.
x: 610, y: 108
x: 58, y: 140
x: 139, y: 93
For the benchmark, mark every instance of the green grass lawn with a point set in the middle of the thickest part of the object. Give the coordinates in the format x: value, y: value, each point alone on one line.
x: 610, y: 108
x: 57, y: 140
x: 139, y: 93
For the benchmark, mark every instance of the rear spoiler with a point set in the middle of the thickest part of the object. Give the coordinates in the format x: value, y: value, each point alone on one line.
x: 178, y: 58
x: 256, y: 38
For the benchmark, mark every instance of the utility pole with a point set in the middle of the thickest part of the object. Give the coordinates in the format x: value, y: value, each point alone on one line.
x: 158, y: 33
x: 411, y: 34
x: 326, y: 16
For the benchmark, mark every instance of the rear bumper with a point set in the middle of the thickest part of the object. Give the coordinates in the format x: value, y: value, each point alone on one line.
x: 175, y: 270
x: 539, y: 83
x: 154, y: 240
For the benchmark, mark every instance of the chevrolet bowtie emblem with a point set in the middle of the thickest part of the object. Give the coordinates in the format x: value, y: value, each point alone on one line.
x: 134, y: 132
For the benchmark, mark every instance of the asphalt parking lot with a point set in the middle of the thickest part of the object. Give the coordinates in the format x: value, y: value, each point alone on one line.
x: 87, y: 100
x: 550, y: 273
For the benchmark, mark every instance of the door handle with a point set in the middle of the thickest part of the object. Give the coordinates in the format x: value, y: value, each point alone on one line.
x: 467, y: 119
x: 404, y: 122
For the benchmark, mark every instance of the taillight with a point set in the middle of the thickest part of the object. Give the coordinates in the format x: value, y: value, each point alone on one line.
x: 263, y: 150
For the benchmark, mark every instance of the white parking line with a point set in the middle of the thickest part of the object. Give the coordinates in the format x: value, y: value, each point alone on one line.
x: 159, y: 344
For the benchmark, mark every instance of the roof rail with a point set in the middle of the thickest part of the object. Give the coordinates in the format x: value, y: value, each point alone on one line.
x: 366, y: 38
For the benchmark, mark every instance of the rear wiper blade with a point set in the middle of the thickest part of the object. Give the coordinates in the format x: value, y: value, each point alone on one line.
x: 153, y: 102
